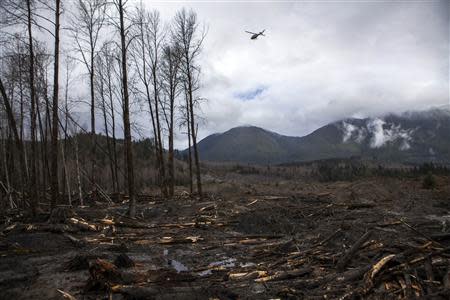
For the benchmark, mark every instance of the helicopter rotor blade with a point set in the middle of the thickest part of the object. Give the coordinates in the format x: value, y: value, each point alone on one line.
x: 250, y: 32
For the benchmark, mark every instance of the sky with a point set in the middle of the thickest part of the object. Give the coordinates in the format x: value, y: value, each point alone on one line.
x: 320, y: 61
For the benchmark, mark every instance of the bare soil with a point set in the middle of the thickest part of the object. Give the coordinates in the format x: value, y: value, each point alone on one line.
x: 378, y: 238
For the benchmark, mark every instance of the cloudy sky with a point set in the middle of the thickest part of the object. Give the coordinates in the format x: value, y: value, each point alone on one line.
x: 319, y: 62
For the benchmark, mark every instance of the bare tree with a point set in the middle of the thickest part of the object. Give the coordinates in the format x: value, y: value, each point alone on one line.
x: 123, y: 30
x: 69, y: 65
x: 147, y: 47
x: 103, y: 84
x: 185, y: 33
x: 112, y: 90
x: 142, y: 61
x: 170, y: 83
x: 55, y: 118
x: 86, y: 26
x: 33, y: 154
x: 185, y: 122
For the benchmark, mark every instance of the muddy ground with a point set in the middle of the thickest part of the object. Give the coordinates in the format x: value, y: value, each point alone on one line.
x: 378, y: 238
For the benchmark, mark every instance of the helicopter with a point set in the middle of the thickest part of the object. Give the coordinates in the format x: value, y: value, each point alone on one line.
x: 255, y: 35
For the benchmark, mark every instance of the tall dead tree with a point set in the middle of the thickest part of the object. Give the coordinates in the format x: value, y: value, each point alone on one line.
x: 188, y: 122
x: 156, y: 39
x: 185, y: 33
x: 87, y: 24
x: 33, y: 154
x: 123, y: 31
x: 69, y: 65
x: 170, y: 82
x: 147, y: 46
x: 102, y: 87
x: 55, y: 118
x: 109, y: 68
x: 42, y: 63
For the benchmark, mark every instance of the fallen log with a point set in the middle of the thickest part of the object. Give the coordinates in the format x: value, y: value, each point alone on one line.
x: 186, y: 240
x: 282, y: 275
x: 82, y: 224
x: 369, y: 278
x: 66, y: 295
x: 346, y: 258
x: 247, y: 275
x: 350, y: 275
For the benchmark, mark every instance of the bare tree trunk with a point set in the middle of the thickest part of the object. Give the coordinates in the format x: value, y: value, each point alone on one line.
x: 22, y: 115
x: 126, y: 115
x: 162, y: 168
x: 172, y: 69
x: 93, y: 134
x: 66, y: 122
x: 46, y: 131
x: 33, y: 184
x: 108, y: 142
x: 155, y: 135
x: 55, y: 118
x: 150, y: 42
x: 86, y: 25
x: 77, y: 161
x: 191, y: 185
x: 66, y: 180
x: 112, y: 149
x: 170, y: 158
x: 194, y: 135
x: 43, y: 151
x: 113, y: 129
x: 6, y: 188
x: 185, y: 29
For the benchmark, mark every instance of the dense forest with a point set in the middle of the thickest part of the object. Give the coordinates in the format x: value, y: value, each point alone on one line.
x: 117, y: 61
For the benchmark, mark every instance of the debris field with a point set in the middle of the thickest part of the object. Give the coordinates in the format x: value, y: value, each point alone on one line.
x: 344, y: 240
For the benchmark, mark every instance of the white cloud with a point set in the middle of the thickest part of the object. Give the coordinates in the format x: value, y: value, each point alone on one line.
x: 381, y: 135
x: 321, y: 62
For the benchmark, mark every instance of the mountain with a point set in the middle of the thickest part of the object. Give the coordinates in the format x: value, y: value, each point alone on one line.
x: 413, y: 137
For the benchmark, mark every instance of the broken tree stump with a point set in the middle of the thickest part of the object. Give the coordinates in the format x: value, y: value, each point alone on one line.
x: 104, y: 275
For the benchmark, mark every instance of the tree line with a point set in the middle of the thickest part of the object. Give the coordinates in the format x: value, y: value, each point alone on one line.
x: 131, y: 60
